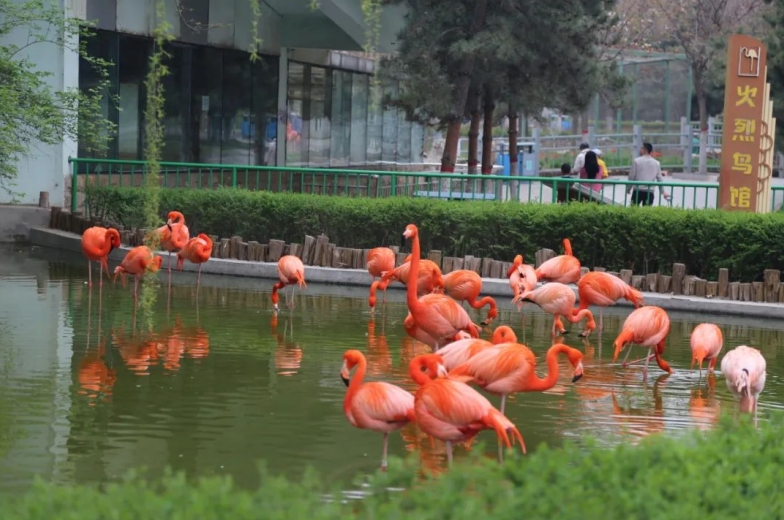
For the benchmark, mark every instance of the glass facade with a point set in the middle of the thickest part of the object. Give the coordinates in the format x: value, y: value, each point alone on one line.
x: 336, y: 119
x: 219, y: 106
x: 222, y: 108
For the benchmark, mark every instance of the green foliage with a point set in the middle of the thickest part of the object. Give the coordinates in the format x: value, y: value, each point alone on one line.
x: 30, y: 109
x: 643, y: 239
x: 775, y: 43
x: 731, y: 472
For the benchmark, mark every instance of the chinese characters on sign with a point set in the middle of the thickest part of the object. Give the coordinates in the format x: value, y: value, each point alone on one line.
x: 743, y: 115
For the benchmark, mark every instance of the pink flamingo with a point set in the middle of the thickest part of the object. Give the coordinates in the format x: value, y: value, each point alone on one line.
x: 418, y: 334
x: 521, y: 276
x: 706, y: 342
x: 646, y: 327
x: 465, y: 285
x: 381, y: 407
x: 744, y: 371
x: 562, y: 269
x: 136, y: 263
x: 460, y: 351
x: 173, y: 235
x: 97, y: 243
x: 557, y: 299
x: 380, y: 261
x: 440, y: 317
x: 290, y: 271
x: 197, y: 250
x: 453, y: 411
x: 604, y: 289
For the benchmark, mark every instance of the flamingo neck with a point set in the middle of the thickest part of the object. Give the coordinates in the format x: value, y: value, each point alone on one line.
x: 487, y: 300
x: 567, y: 247
x: 411, y: 287
x: 538, y: 384
x: 355, y: 383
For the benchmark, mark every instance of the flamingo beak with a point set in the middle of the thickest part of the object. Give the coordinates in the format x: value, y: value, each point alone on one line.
x: 578, y: 372
x: 344, y: 374
x: 442, y: 370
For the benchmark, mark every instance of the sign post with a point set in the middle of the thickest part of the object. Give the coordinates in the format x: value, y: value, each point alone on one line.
x: 747, y: 137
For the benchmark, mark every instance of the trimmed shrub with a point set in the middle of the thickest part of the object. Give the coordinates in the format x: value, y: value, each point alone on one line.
x: 731, y: 472
x: 638, y: 238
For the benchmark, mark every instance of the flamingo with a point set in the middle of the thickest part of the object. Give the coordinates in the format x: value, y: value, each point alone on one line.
x: 453, y: 411
x: 562, y: 269
x: 604, y: 289
x: 557, y: 299
x: 706, y: 342
x: 378, y: 406
x: 418, y: 334
x: 521, y: 276
x: 744, y: 372
x: 97, y: 243
x: 511, y: 367
x: 138, y: 261
x: 429, y: 279
x: 440, y: 317
x: 380, y: 261
x: 460, y: 351
x: 173, y: 235
x: 290, y: 271
x: 465, y: 285
x: 646, y: 327
x: 197, y: 250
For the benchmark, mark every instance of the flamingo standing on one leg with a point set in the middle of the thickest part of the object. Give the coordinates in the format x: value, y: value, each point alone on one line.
x: 557, y: 299
x: 290, y: 271
x: 562, y: 269
x: 97, y: 243
x: 744, y: 371
x: 440, y: 317
x: 646, y: 327
x: 460, y: 351
x: 453, y: 411
x: 465, y: 285
x: 380, y: 261
x: 173, y: 235
x: 197, y: 250
x: 137, y: 262
x: 521, y: 276
x: 509, y: 368
x: 381, y: 407
x: 706, y: 342
x: 604, y: 289
x: 429, y: 279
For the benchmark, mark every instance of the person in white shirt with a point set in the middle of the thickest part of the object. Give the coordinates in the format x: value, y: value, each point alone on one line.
x: 579, y: 162
x: 645, y: 168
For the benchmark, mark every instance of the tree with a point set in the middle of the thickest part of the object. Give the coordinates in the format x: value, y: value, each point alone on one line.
x: 700, y: 28
x: 31, y: 111
x: 775, y: 43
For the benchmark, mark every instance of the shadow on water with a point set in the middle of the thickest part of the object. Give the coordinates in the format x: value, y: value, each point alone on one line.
x: 222, y: 381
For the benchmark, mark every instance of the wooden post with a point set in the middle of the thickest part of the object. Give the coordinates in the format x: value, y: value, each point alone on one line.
x: 712, y: 289
x: 600, y: 270
x: 486, y: 264
x: 724, y: 282
x: 223, y: 249
x: 700, y: 286
x: 626, y: 276
x: 234, y: 246
x: 435, y: 256
x: 399, y: 257
x: 757, y: 291
x: 307, y: 249
x: 734, y: 291
x: 651, y: 281
x: 688, y: 286
x: 772, y: 282
x: 43, y: 199
x: 637, y: 281
x: 254, y: 251
x: 276, y: 249
x: 457, y: 264
x: 543, y: 255
x: 472, y: 263
x: 781, y: 292
x: 664, y: 283
x: 678, y: 272
x: 296, y: 250
x: 53, y: 216
x: 745, y: 292
x: 505, y: 266
x: 584, y: 270
x: 318, y: 252
x: 447, y: 265
x: 215, y: 243
x: 329, y: 252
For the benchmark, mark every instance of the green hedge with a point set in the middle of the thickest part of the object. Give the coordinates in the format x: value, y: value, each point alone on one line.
x: 731, y: 472
x: 642, y: 239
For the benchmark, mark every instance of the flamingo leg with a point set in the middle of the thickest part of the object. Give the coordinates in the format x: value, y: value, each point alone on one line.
x: 449, y: 453
x: 198, y: 281
x: 601, y: 318
x: 503, y: 402
x: 136, y: 290
x: 169, y: 262
x: 89, y: 274
x: 384, y: 454
x: 647, y: 359
x: 642, y: 359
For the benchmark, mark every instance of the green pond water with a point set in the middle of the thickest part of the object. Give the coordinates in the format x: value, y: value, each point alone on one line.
x: 222, y: 382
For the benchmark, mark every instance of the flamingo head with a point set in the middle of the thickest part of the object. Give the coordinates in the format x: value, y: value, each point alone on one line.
x: 175, y: 217
x: 350, y: 359
x: 491, y: 315
x: 698, y: 356
x: 433, y: 365
x: 503, y: 334
x: 618, y: 344
x: 743, y: 383
x: 410, y: 232
x: 518, y: 260
x: 114, y: 238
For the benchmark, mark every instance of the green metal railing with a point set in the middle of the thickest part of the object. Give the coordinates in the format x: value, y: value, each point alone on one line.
x: 371, y: 183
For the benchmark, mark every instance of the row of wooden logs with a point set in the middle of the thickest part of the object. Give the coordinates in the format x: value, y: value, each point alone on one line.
x: 318, y: 251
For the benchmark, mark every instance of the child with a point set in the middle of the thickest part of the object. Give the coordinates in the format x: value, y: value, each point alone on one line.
x: 566, y: 169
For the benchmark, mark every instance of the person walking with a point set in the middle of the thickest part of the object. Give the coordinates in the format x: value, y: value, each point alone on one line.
x: 579, y: 161
x: 645, y: 168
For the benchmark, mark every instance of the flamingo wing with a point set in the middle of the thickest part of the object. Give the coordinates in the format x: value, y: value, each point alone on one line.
x: 494, y: 365
x: 384, y: 402
x: 453, y: 402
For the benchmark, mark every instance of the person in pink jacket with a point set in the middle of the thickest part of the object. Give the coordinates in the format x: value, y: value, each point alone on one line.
x: 591, y: 170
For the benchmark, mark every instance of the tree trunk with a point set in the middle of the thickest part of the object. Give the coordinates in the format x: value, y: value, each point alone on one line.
x: 514, y: 122
x: 460, y: 92
x: 703, y: 105
x: 487, y: 131
x: 473, y: 134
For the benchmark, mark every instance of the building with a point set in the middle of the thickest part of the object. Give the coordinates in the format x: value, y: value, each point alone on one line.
x: 302, y: 104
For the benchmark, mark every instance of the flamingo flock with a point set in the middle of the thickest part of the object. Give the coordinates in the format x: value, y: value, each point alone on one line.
x: 446, y: 406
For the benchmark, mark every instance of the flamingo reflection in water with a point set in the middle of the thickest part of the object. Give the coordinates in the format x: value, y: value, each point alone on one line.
x: 168, y: 347
x: 288, y: 354
x: 704, y: 406
x: 642, y: 421
x: 96, y: 377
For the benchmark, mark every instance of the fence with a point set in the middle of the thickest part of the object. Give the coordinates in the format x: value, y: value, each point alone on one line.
x: 360, y: 183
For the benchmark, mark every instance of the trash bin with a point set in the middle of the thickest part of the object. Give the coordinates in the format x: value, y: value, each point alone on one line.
x: 529, y: 159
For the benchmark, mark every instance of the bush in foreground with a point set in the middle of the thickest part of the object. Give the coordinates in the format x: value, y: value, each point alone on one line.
x: 732, y: 472
x: 642, y: 239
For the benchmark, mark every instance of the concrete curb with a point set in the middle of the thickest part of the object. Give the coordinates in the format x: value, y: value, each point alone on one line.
x: 63, y: 240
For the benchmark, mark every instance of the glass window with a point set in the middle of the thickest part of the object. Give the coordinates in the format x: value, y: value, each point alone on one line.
x: 237, y: 117
x: 359, y: 115
x: 101, y: 44
x: 340, y: 139
x: 374, y: 126
x: 133, y: 56
x: 175, y: 110
x: 390, y: 122
x: 417, y: 143
x: 403, y: 139
x: 264, y: 128
x: 207, y: 122
x: 320, y: 104
x: 296, y: 133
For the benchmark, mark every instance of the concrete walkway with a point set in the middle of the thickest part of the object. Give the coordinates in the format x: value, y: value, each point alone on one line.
x: 359, y: 277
